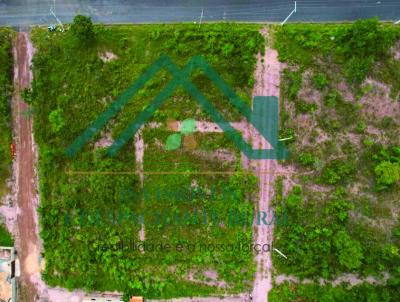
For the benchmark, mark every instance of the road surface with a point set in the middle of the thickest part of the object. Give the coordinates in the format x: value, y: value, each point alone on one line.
x: 27, y: 12
x: 27, y: 240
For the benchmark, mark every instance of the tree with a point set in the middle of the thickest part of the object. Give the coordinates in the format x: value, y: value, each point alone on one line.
x: 82, y: 29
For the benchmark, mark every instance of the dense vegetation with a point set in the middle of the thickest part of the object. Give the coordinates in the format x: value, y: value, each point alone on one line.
x: 356, y: 49
x: 317, y: 293
x: 340, y: 94
x: 5, y: 121
x: 5, y: 115
x: 5, y: 237
x: 84, y: 217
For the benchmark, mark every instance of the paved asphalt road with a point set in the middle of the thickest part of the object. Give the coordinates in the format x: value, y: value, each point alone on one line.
x: 27, y: 12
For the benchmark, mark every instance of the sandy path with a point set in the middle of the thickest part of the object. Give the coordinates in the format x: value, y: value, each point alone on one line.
x: 139, y: 155
x: 351, y: 279
x: 267, y: 84
x: 27, y: 241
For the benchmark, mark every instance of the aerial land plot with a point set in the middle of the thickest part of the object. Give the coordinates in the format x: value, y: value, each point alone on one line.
x: 94, y: 208
x: 340, y: 106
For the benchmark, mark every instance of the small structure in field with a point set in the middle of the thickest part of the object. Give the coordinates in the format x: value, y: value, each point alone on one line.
x: 9, y: 270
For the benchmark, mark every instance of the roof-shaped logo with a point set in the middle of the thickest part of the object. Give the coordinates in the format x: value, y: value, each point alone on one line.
x: 263, y: 117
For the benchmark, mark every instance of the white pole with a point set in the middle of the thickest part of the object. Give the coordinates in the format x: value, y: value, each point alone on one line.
x: 52, y: 11
x: 201, y: 16
x: 58, y: 20
x: 293, y: 11
x: 285, y: 139
x: 280, y: 253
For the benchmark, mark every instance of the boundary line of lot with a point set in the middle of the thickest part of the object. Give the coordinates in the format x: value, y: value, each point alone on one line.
x: 172, y: 173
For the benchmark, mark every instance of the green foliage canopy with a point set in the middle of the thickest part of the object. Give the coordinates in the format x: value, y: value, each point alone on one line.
x: 349, y: 251
x: 82, y: 28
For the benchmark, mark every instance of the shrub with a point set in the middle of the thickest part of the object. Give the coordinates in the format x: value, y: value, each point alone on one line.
x: 26, y: 94
x: 387, y: 173
x: 365, y: 39
x: 388, y: 122
x: 387, y: 167
x: 349, y: 251
x: 294, y: 82
x: 305, y: 107
x: 346, y: 110
x: 5, y: 237
x: 306, y: 159
x: 332, y: 98
x: 320, y: 81
x: 361, y: 126
x: 362, y: 44
x: 337, y: 171
x: 56, y: 120
x: 329, y: 123
x: 357, y: 69
x: 82, y: 29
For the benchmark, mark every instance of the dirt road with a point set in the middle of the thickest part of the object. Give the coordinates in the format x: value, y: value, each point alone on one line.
x: 267, y: 84
x: 27, y: 241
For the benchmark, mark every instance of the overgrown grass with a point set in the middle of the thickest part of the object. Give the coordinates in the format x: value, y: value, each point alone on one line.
x: 5, y: 237
x: 354, y: 48
x: 5, y: 111
x: 91, y: 213
x: 316, y: 293
x: 341, y: 215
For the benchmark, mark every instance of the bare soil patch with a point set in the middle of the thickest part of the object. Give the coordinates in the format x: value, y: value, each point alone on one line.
x: 27, y: 241
x: 267, y: 77
x: 378, y: 102
x: 107, y: 56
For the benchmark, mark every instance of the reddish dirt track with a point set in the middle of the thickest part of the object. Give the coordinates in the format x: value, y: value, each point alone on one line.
x: 27, y: 239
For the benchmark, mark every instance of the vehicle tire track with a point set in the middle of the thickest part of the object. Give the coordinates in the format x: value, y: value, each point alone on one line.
x: 267, y: 84
x: 27, y: 241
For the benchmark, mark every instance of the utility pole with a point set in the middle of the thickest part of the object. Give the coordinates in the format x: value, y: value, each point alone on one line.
x: 201, y: 16
x: 52, y: 13
x: 293, y: 11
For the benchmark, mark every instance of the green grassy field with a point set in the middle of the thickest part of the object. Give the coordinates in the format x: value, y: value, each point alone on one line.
x: 5, y: 120
x: 5, y: 115
x: 84, y: 216
x: 340, y: 96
